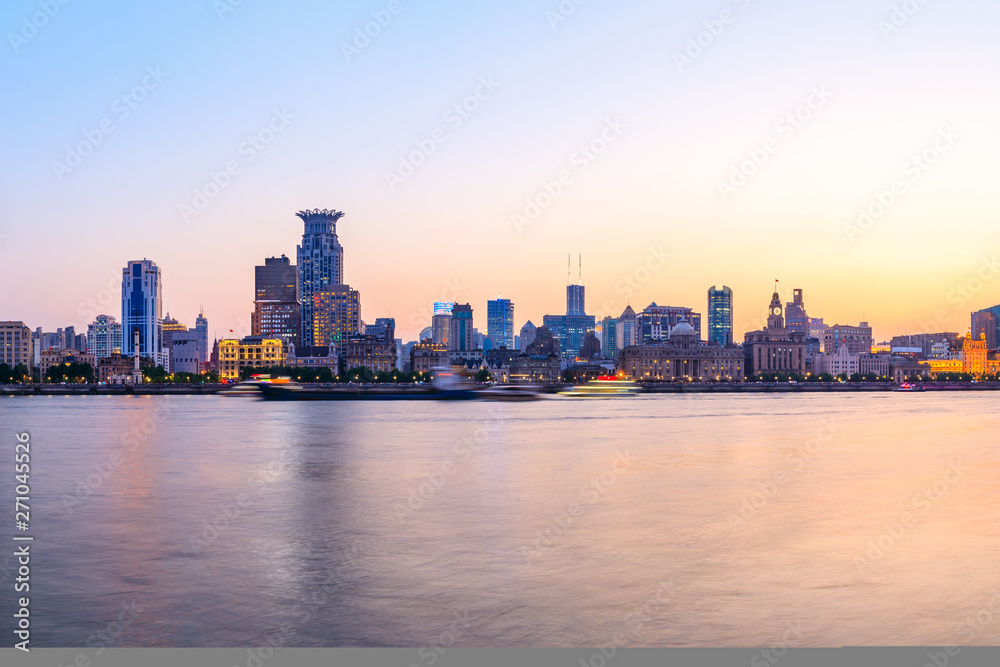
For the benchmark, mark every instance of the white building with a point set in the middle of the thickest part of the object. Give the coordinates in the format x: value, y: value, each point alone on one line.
x: 104, y: 336
x: 844, y: 362
x: 184, y: 353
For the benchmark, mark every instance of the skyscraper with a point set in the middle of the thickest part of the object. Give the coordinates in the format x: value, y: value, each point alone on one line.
x: 571, y: 329
x: 527, y: 335
x: 796, y: 318
x: 276, y: 302
x: 720, y: 315
x: 142, y: 311
x: 461, y: 337
x: 987, y: 322
x: 201, y: 328
x: 500, y: 323
x: 336, y: 316
x: 320, y: 264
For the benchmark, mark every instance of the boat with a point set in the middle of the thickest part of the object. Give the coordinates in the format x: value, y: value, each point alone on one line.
x: 446, y: 384
x: 907, y: 387
x: 605, y: 386
x: 510, y: 392
x: 252, y: 387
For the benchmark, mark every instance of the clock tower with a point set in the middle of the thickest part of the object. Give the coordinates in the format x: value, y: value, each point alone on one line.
x: 775, y: 319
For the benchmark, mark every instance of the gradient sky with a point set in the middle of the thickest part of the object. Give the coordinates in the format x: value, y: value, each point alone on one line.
x: 446, y: 232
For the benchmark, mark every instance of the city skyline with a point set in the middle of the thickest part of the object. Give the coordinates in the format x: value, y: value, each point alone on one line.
x: 197, y: 169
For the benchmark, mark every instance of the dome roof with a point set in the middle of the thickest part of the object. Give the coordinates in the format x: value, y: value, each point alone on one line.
x: 682, y: 329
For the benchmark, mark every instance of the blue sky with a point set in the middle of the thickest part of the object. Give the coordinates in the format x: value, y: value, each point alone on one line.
x: 448, y: 229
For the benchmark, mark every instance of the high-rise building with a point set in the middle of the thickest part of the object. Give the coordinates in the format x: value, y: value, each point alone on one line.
x: 169, y: 327
x: 500, y: 323
x: 575, y: 300
x: 104, y: 336
x: 320, y: 263
x: 461, y: 338
x: 656, y: 322
x: 336, y: 315
x: 142, y: 311
x: 201, y: 328
x: 609, y: 337
x: 987, y: 323
x: 441, y: 328
x: 796, y: 318
x: 720, y: 315
x: 628, y: 328
x: 15, y: 344
x: 527, y: 336
x: 276, y: 301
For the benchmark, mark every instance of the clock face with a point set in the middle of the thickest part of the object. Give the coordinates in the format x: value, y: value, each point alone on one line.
x: 776, y: 311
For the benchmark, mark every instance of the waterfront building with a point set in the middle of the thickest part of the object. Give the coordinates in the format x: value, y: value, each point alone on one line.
x: 426, y: 356
x: 54, y: 357
x: 655, y: 322
x: 277, y: 308
x: 536, y: 369
x: 609, y: 337
x: 378, y: 354
x: 974, y: 354
x: 844, y: 362
x: 335, y: 315
x: 104, y: 336
x: 115, y: 369
x: 682, y: 356
x: 902, y: 368
x: 817, y: 329
x: 16, y: 344
x: 720, y: 315
x: 142, y: 311
x: 987, y: 323
x: 316, y: 356
x: 184, y: 355
x: 925, y: 341
x: 500, y: 323
x: 937, y: 367
x: 775, y: 349
x: 320, y: 266
x: 857, y: 339
x: 527, y: 336
x: 875, y: 362
x: 461, y: 338
x: 441, y: 328
x: 250, y: 352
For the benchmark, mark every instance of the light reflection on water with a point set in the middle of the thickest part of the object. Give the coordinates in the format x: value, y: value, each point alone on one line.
x: 546, y: 523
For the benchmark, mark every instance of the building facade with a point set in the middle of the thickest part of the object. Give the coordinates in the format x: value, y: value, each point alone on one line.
x: 527, y: 335
x: 142, y: 311
x: 500, y: 323
x: 987, y: 323
x: 250, y: 352
x: 857, y: 339
x: 336, y: 315
x: 774, y: 349
x: 682, y: 357
x: 425, y: 357
x: 320, y: 264
x: 104, y: 336
x: 276, y: 312
x: 656, y: 322
x: 54, y: 357
x: 461, y: 338
x: 184, y: 357
x: 371, y: 352
x: 720, y: 315
x: 323, y: 356
x: 16, y: 344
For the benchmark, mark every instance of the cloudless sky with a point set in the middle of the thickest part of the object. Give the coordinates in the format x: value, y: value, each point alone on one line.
x: 446, y: 231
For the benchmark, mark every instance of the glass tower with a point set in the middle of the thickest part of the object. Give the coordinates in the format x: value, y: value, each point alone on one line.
x: 320, y: 261
x: 720, y: 315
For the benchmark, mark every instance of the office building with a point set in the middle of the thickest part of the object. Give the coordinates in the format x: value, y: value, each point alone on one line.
x: 720, y: 315
x: 774, y: 349
x: 527, y: 336
x: 142, y: 311
x: 683, y: 357
x: 16, y: 345
x: 104, y: 336
x: 500, y: 323
x: 335, y: 315
x: 276, y: 300
x: 656, y: 322
x: 987, y: 323
x: 320, y: 264
x: 857, y: 339
x: 250, y: 352
x: 201, y: 328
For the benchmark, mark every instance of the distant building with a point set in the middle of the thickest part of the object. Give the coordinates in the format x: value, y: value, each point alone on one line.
x: 987, y: 323
x: 500, y: 322
x: 320, y: 265
x: 655, y: 322
x: 857, y: 339
x: 142, y: 311
x: 250, y: 352
x: 720, y: 315
x: 104, y: 336
x: 371, y: 352
x: 796, y: 318
x: 335, y: 315
x: 609, y: 337
x: 201, y: 328
x: 427, y: 356
x: 877, y: 363
x: 184, y: 356
x: 628, y: 329
x: 461, y: 336
x: 527, y: 335
x: 16, y: 344
x: 545, y: 344
x: 683, y: 356
x: 591, y: 348
x: 536, y: 369
x: 441, y: 328
x: 54, y: 357
x: 317, y: 356
x: 924, y: 341
x: 277, y: 311
x: 844, y: 362
x: 774, y: 349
